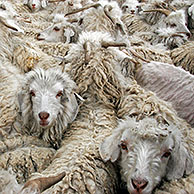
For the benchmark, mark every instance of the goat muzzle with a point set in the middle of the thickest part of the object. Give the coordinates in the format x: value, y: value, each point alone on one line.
x: 139, y: 184
x: 38, y: 37
x: 43, y: 118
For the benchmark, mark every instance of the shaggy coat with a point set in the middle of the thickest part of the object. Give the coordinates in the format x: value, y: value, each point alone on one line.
x: 183, y: 56
x: 10, y: 83
x: 27, y: 56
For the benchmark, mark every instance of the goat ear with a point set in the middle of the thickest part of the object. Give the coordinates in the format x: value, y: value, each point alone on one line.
x: 79, y: 99
x: 25, y: 2
x: 109, y: 149
x: 68, y: 33
x: 181, y: 162
x: 20, y: 100
x: 75, y: 101
x: 44, y: 3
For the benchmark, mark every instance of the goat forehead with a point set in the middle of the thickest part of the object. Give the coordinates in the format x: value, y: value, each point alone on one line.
x: 145, y: 131
x: 35, y: 1
x: 142, y: 143
x: 52, y: 86
x: 146, y: 149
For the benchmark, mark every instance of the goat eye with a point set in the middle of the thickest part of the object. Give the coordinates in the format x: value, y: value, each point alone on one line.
x: 32, y: 93
x: 173, y: 25
x: 166, y: 155
x: 60, y: 93
x: 124, y: 146
x: 56, y: 28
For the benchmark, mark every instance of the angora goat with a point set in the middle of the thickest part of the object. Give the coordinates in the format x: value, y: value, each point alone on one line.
x: 35, y: 5
x: 47, y: 104
x: 149, y: 141
x: 149, y: 151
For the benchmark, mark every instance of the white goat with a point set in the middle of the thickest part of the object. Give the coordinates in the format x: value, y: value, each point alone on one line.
x: 149, y: 151
x: 35, y: 5
x: 172, y: 31
x: 59, y: 32
x: 130, y: 6
x: 47, y: 104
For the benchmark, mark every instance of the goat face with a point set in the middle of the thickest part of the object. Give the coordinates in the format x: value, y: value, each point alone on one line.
x: 172, y: 30
x: 46, y: 101
x: 58, y: 32
x: 47, y: 104
x: 130, y: 7
x: 35, y: 5
x: 148, y: 152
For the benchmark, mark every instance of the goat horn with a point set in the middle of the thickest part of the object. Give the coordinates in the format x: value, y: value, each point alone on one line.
x: 176, y: 34
x: 2, y: 6
x: 113, y: 44
x: 96, y: 5
x: 164, y: 11
x: 44, y: 183
x: 107, y: 9
x: 87, y: 48
x: 72, y: 20
x: 3, y: 21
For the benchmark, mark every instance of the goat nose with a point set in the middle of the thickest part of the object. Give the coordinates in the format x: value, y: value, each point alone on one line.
x: 43, y: 115
x: 33, y: 5
x: 38, y: 36
x: 132, y: 11
x: 188, y: 34
x: 139, y: 184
